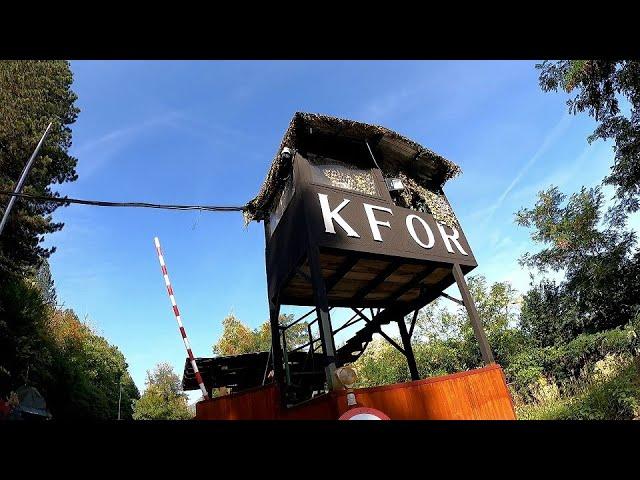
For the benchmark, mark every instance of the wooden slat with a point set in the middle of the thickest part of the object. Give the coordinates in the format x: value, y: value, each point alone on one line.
x: 371, y: 265
x: 343, y: 269
x: 437, y: 275
x: 373, y: 284
x: 418, y: 277
x: 480, y: 394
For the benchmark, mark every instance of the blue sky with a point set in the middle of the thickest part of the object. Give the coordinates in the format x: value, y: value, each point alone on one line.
x: 205, y: 132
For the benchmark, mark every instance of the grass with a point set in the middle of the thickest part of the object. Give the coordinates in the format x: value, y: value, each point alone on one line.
x: 610, y: 392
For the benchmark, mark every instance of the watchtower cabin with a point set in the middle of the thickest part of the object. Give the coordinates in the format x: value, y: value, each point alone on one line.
x: 355, y: 217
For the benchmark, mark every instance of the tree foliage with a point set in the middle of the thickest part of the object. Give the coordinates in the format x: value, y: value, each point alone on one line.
x: 599, y: 86
x: 32, y: 94
x: 77, y: 371
x: 598, y: 259
x: 163, y: 398
x: 443, y: 340
x: 238, y: 338
x: 561, y: 379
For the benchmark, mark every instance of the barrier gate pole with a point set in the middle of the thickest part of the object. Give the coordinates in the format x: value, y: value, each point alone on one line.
x: 176, y: 312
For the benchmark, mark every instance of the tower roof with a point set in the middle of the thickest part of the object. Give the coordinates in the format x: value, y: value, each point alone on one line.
x: 398, y: 155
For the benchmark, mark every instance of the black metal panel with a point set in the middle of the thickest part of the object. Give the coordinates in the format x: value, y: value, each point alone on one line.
x: 286, y: 247
x: 241, y: 372
x: 395, y: 241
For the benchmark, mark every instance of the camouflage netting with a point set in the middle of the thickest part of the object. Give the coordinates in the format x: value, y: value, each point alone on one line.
x: 424, y: 200
x: 422, y: 171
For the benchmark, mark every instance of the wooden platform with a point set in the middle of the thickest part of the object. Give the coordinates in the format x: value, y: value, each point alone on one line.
x: 357, y: 279
x: 480, y: 394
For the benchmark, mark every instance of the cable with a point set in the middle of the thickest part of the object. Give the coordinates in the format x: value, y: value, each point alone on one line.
x: 99, y: 203
x: 372, y: 157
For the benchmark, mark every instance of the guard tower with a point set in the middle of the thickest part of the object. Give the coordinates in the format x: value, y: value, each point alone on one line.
x: 355, y: 216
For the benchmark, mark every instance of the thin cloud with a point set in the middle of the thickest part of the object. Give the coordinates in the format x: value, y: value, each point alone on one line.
x: 560, y: 177
x: 383, y: 107
x: 97, y: 151
x: 121, y: 133
x: 446, y: 100
x: 551, y: 138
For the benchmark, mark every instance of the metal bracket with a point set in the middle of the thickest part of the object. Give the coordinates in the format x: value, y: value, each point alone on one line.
x: 453, y: 299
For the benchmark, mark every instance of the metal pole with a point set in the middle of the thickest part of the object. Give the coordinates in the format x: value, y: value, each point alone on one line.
x: 23, y: 178
x: 408, y: 349
x: 266, y: 368
x: 324, y: 320
x: 474, y: 318
x: 285, y: 354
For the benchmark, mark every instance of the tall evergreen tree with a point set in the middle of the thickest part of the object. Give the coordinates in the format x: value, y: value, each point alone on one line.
x: 32, y: 94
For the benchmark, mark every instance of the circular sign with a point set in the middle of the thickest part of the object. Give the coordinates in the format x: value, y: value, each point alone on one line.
x: 363, y: 413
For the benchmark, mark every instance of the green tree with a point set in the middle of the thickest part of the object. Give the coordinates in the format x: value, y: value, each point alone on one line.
x: 589, y: 315
x: 443, y: 340
x: 81, y: 373
x: 32, y: 94
x: 238, y: 338
x: 163, y: 398
x: 44, y: 281
x: 601, y: 270
x: 23, y: 331
x: 599, y: 87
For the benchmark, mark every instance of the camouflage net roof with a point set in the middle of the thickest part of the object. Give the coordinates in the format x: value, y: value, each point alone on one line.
x: 422, y: 171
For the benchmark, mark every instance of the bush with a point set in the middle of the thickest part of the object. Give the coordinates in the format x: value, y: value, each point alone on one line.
x: 617, y: 398
x: 610, y: 391
x: 565, y: 363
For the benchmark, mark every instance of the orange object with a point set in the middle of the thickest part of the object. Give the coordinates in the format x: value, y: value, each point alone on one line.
x: 480, y: 394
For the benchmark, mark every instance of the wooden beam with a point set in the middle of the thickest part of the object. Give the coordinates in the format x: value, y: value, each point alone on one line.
x: 413, y: 322
x: 379, y: 279
x: 453, y: 299
x: 345, y: 268
x: 348, y: 324
x: 476, y: 323
x: 284, y: 327
x: 408, y: 350
x: 413, y: 283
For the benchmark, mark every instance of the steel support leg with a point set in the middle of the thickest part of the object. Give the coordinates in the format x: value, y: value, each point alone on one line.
x: 324, y: 320
x: 476, y: 323
x: 408, y: 350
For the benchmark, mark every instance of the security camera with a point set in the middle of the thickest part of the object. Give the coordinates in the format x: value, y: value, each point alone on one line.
x: 286, y: 153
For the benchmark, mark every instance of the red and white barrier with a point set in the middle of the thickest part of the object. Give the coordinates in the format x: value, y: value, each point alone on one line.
x: 176, y: 312
x: 364, y: 413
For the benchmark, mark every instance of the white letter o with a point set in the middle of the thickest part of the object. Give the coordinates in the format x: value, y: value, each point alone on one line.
x: 412, y: 231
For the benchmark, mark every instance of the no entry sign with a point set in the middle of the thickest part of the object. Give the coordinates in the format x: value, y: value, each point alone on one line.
x: 364, y: 413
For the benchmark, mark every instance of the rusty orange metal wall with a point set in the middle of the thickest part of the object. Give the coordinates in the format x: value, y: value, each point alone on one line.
x: 480, y: 394
x: 255, y: 404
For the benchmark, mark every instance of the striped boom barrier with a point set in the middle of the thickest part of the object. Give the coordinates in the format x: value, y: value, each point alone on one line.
x: 176, y: 312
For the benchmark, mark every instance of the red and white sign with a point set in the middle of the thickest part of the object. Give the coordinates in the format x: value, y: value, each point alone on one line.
x: 363, y: 413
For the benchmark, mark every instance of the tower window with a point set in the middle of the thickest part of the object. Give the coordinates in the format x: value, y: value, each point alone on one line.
x: 335, y: 173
